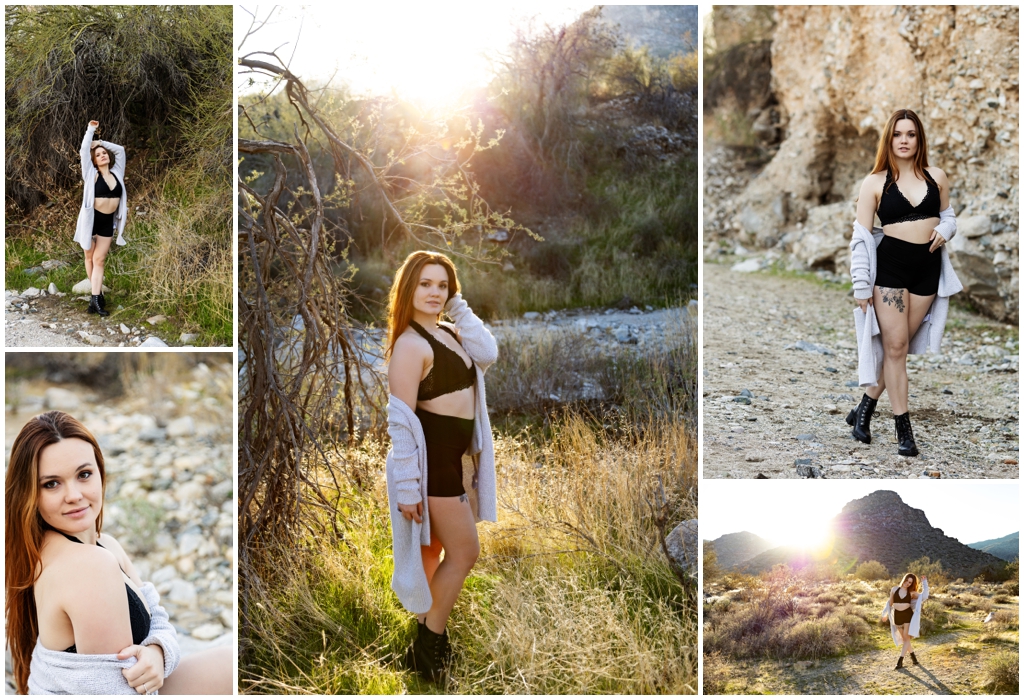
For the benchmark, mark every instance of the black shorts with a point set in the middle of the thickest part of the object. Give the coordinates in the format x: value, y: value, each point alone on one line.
x: 903, y: 617
x: 909, y: 266
x: 447, y: 438
x: 102, y: 224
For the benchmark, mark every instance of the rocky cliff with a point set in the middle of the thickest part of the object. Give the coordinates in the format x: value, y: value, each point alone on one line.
x: 737, y: 547
x: 837, y: 72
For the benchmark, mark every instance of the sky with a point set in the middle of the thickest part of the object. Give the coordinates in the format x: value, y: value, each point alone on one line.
x: 795, y: 511
x: 423, y: 52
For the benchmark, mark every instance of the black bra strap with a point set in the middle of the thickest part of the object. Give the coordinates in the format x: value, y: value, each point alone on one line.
x: 78, y: 541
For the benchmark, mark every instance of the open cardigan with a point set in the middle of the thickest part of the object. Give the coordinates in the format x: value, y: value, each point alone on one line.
x: 863, y: 267
x: 406, y: 466
x: 83, y: 230
x: 915, y: 621
x: 63, y: 673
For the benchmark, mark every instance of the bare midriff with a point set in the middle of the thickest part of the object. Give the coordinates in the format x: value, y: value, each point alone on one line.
x: 912, y: 231
x: 106, y: 205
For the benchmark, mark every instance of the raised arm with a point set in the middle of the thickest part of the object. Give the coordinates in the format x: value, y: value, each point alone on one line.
x: 476, y: 339
x: 119, y: 157
x: 86, y: 150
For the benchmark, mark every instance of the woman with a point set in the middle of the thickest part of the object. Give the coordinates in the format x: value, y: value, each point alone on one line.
x: 79, y: 619
x: 902, y: 279
x: 104, y: 209
x: 903, y: 610
x: 437, y: 416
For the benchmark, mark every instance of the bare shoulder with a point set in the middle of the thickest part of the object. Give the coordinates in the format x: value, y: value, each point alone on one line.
x: 873, y: 183
x: 410, y: 344
x: 937, y: 174
x: 79, y: 564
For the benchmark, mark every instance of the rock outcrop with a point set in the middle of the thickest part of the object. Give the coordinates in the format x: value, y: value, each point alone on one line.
x: 837, y: 73
x: 738, y: 547
x: 881, y: 527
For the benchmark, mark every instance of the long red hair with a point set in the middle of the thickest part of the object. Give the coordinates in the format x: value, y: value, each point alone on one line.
x: 404, y: 287
x: 912, y: 588
x: 24, y: 528
x: 885, y: 159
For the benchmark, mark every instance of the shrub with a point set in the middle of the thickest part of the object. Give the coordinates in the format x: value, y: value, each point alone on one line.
x: 1002, y: 674
x: 710, y: 564
x: 716, y: 673
x: 872, y: 571
x: 1004, y: 619
x: 926, y: 568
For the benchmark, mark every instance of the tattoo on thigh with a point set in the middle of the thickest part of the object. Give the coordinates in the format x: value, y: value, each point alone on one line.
x: 464, y: 498
x: 893, y: 297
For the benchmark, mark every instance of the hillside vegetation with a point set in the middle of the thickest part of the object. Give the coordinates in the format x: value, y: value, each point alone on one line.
x: 158, y: 79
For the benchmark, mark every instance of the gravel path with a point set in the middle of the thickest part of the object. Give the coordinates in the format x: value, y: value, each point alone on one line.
x: 36, y: 318
x: 770, y: 408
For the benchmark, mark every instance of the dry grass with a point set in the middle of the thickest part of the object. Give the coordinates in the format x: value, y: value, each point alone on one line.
x: 1002, y: 674
x: 572, y: 593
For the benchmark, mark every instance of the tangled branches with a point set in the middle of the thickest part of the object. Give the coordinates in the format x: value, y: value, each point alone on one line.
x: 149, y: 75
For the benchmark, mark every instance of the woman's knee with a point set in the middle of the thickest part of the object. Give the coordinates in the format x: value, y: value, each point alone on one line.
x: 465, y: 556
x: 895, y: 348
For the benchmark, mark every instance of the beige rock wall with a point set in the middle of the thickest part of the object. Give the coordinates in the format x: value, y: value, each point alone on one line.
x: 838, y: 72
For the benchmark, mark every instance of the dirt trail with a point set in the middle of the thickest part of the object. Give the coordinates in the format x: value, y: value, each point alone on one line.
x: 767, y: 403
x: 951, y: 664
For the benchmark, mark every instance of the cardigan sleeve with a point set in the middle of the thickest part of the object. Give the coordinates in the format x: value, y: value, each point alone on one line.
x: 476, y: 339
x: 947, y: 224
x: 161, y: 631
x: 860, y: 266
x: 85, y: 150
x: 119, y: 157
x: 404, y: 459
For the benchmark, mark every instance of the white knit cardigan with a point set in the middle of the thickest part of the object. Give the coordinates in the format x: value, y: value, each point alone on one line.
x: 63, y: 673
x: 863, y: 268
x: 406, y: 466
x: 915, y: 621
x: 83, y: 230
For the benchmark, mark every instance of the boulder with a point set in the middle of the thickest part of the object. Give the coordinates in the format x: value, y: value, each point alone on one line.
x: 682, y: 546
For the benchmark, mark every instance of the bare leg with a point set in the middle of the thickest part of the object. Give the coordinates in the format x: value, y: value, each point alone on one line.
x: 891, y: 312
x: 100, y: 247
x: 451, y: 522
x: 431, y: 560
x: 905, y: 633
x: 919, y: 307
x: 209, y: 672
x: 88, y: 260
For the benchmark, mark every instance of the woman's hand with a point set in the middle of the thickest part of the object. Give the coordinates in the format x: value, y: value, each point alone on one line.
x: 863, y: 303
x: 937, y: 241
x: 148, y: 674
x: 94, y: 123
x: 883, y: 619
x: 412, y: 512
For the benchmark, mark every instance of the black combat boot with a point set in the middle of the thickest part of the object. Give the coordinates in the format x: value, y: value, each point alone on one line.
x: 899, y: 664
x: 103, y: 301
x: 905, y: 436
x: 860, y: 419
x: 426, y: 655
x: 95, y: 308
x: 913, y: 658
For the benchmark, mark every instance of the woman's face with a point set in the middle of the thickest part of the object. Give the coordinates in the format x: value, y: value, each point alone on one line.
x: 100, y: 156
x: 907, y: 582
x: 70, y: 489
x: 904, y: 139
x: 431, y: 290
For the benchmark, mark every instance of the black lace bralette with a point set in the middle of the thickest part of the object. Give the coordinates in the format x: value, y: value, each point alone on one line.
x: 895, y: 208
x: 449, y: 372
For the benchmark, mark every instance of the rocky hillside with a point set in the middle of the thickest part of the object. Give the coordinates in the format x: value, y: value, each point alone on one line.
x: 1006, y: 548
x: 665, y: 29
x: 883, y: 528
x: 737, y: 547
x: 837, y: 72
